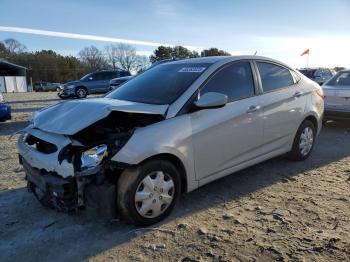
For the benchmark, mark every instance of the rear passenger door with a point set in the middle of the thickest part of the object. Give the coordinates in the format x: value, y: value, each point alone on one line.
x: 231, y: 135
x: 284, y: 102
x: 338, y: 93
x: 100, y: 82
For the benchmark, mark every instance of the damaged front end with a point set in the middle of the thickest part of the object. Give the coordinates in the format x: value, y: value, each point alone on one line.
x: 67, y: 172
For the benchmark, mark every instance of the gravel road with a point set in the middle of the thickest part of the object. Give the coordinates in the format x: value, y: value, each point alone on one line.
x: 278, y: 210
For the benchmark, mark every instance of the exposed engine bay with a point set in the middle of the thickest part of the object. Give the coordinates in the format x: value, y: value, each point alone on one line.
x: 66, y: 172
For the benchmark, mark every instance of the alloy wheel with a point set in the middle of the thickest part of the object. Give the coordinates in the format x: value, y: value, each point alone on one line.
x: 81, y: 93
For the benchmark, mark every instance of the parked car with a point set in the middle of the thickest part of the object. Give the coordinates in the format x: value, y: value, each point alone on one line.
x: 5, y: 109
x: 97, y: 82
x: 116, y: 82
x: 46, y: 86
x: 319, y: 75
x: 169, y: 130
x: 337, y: 96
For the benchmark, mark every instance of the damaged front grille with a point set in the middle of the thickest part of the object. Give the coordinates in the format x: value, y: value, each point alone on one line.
x: 40, y: 145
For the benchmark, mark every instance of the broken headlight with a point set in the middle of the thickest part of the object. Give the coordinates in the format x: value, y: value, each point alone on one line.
x: 94, y: 156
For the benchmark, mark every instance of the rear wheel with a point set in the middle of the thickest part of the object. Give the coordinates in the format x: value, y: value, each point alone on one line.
x: 304, y: 141
x: 81, y: 92
x: 148, y: 193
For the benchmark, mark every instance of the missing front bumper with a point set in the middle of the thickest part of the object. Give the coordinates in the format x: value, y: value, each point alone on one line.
x: 51, y: 190
x: 69, y: 194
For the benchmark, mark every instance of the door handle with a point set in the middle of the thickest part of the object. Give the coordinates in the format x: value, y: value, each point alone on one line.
x: 253, y: 109
x: 298, y: 94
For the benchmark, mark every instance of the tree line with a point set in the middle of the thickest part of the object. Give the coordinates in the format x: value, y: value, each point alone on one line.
x: 49, y: 66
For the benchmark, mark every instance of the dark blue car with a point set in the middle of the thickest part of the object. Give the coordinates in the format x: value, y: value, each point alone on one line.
x: 97, y: 82
x: 5, y: 110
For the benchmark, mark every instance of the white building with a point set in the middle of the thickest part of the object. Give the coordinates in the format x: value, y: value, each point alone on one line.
x: 12, y: 77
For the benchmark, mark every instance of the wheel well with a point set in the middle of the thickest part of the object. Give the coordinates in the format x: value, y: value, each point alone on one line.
x: 313, y: 120
x: 177, y: 163
x: 87, y: 91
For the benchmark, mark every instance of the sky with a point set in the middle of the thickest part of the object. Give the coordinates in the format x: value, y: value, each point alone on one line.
x: 279, y: 29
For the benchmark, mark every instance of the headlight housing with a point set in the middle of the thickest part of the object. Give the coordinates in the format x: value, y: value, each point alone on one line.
x: 94, y: 156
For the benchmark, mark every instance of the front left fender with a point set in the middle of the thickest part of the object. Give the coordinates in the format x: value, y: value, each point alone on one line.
x: 172, y: 136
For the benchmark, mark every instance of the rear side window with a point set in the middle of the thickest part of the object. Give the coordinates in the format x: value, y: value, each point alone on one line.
x: 274, y: 77
x: 97, y: 76
x: 235, y: 81
x: 113, y: 75
x: 124, y: 73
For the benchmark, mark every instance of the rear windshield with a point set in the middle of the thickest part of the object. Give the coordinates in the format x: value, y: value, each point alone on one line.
x: 308, y: 73
x: 340, y: 79
x: 160, y: 85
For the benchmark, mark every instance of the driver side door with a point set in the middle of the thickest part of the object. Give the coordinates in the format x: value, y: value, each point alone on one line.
x: 231, y: 135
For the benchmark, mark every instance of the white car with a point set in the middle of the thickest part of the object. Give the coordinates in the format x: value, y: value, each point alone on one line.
x: 337, y: 96
x: 169, y: 130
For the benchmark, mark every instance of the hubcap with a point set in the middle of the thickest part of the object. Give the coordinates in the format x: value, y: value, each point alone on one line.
x: 306, y: 141
x: 154, y: 194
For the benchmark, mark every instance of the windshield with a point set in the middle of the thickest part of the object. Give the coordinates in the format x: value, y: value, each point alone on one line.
x: 85, y: 77
x: 160, y: 85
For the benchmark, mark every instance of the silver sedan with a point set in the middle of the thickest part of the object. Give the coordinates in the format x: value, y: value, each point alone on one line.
x: 337, y: 96
x: 169, y: 130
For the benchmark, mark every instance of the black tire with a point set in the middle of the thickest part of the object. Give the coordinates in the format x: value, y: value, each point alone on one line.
x: 43, y: 197
x: 296, y: 152
x: 81, y: 92
x: 129, y: 183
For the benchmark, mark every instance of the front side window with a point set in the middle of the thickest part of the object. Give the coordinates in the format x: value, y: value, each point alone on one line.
x: 274, y: 77
x: 160, y: 85
x: 235, y: 81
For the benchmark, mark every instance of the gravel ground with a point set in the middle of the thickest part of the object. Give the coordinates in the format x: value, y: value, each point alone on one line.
x: 278, y: 210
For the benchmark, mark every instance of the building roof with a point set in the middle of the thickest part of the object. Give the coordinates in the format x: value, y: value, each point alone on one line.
x: 10, y: 69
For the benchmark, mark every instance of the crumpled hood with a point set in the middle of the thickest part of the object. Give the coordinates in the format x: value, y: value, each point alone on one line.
x: 68, y: 118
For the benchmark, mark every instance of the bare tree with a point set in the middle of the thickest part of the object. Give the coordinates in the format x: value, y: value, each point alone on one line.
x: 93, y: 58
x: 125, y: 56
x: 14, y: 46
x: 111, y: 54
x: 142, y: 63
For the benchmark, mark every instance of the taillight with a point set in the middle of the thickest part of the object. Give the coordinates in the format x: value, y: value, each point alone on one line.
x: 320, y: 93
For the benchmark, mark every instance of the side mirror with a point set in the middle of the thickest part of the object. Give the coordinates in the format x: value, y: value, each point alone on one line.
x: 211, y: 100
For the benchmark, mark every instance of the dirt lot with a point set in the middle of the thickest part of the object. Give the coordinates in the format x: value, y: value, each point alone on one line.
x: 277, y: 210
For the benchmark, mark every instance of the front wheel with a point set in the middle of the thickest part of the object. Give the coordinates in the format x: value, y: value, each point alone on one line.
x: 81, y: 92
x: 148, y: 193
x: 304, y: 141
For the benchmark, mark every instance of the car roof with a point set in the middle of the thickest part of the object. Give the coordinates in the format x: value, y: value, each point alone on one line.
x: 227, y: 59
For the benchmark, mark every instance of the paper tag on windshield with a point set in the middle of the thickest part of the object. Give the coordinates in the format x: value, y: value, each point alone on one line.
x: 192, y: 69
